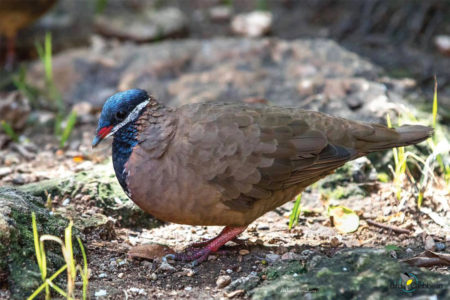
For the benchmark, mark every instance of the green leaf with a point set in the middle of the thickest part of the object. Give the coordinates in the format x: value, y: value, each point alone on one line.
x: 391, y: 248
x: 71, y: 120
x: 293, y: 219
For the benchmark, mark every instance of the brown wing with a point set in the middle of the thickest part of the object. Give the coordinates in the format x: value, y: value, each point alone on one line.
x: 249, y: 153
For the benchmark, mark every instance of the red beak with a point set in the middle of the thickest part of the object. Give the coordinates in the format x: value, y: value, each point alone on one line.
x: 101, y: 134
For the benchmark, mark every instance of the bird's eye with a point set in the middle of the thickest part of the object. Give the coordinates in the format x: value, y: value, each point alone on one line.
x: 120, y: 115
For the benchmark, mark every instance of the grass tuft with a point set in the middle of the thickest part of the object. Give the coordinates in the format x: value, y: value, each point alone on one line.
x: 45, y: 55
x: 71, y: 267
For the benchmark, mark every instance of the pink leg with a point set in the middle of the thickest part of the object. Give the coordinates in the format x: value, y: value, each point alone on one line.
x: 206, y: 242
x: 212, y: 245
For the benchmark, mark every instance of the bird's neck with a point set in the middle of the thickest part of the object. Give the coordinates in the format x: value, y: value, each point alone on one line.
x: 127, y: 137
x: 124, y: 141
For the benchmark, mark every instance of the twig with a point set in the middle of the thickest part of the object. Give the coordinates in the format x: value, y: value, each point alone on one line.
x: 388, y: 227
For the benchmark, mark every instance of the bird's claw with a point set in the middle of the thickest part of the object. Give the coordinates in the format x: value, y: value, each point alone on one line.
x: 168, y: 256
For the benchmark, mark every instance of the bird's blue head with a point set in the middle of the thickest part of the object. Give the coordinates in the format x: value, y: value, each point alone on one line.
x: 119, y: 110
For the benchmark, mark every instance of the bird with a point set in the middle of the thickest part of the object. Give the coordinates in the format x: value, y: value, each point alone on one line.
x: 228, y: 164
x: 17, y: 14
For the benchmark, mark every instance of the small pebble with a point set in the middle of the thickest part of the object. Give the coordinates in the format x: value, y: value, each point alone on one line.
x: 122, y: 262
x: 223, y: 281
x: 5, y: 171
x: 229, y: 271
x: 188, y: 288
x: 18, y: 180
x: 429, y: 243
x: 243, y: 252
x: 153, y: 276
x: 100, y: 293
x: 291, y: 256
x: 188, y: 272
x: 253, y: 24
x: 307, y: 252
x: 120, y: 275
x: 220, y: 13
x: 272, y: 257
x: 137, y: 291
x: 102, y: 275
x: 393, y: 254
x: 66, y: 202
x: 439, y: 246
x: 165, y: 266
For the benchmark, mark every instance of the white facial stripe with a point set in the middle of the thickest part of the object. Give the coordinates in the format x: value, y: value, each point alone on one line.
x: 131, y: 117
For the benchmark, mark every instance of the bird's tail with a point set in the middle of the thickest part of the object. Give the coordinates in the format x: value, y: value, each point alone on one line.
x: 386, y: 138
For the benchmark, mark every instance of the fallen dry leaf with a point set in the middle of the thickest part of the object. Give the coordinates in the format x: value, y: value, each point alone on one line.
x: 150, y: 251
x: 429, y: 259
x: 344, y: 219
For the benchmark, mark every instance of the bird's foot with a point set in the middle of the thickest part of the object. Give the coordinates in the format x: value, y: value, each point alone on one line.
x: 197, y: 256
x: 208, y: 241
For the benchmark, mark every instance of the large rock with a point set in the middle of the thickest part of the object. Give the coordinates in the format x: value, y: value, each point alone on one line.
x: 351, y: 273
x: 314, y: 74
x: 18, y: 267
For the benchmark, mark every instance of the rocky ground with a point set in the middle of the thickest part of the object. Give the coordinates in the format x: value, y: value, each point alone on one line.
x: 312, y: 260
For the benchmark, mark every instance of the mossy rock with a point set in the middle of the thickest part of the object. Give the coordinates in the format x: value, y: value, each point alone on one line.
x: 18, y: 266
x: 100, y: 184
x: 350, y: 274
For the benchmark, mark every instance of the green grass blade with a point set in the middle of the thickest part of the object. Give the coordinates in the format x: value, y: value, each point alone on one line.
x: 37, y: 248
x: 435, y: 104
x: 45, y: 284
x: 69, y: 255
x: 48, y: 57
x: 293, y: 219
x: 85, y: 272
x: 59, y: 290
x: 71, y: 120
x: 9, y: 131
x: 100, y: 6
x: 394, y: 150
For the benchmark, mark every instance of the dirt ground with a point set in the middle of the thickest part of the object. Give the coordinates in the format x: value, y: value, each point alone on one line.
x: 114, y: 275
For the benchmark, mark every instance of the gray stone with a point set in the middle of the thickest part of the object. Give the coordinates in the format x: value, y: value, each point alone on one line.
x: 272, y: 257
x: 223, y: 281
x: 244, y: 283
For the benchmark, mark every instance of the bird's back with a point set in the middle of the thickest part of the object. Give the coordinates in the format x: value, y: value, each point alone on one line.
x: 213, y: 164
